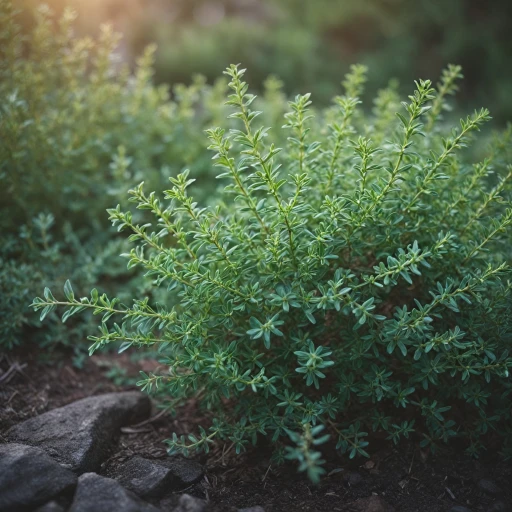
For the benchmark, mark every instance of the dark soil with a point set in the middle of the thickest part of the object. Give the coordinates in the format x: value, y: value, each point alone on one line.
x: 406, y: 477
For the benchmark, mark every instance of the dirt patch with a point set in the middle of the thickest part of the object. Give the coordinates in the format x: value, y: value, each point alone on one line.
x: 401, y: 477
x: 406, y: 477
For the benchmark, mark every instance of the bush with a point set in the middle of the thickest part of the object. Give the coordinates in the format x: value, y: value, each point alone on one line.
x: 77, y: 129
x: 296, y: 54
x: 363, y: 264
x: 309, y: 44
x: 74, y: 120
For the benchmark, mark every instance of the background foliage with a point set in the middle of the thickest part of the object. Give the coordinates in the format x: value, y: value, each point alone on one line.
x: 310, y: 45
x: 77, y: 130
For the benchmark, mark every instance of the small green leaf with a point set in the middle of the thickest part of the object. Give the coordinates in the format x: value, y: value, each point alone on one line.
x: 68, y: 291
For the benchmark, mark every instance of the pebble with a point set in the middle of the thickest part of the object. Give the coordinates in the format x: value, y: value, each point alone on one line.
x: 188, y: 503
x: 489, y: 487
x: 371, y: 504
x: 157, y: 478
x: 95, y: 493
x: 354, y: 479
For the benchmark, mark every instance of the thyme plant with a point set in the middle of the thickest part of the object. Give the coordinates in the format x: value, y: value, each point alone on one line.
x: 355, y: 281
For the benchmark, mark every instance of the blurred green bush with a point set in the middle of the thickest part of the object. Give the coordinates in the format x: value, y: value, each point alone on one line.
x: 78, y: 129
x: 310, y: 45
x: 295, y: 55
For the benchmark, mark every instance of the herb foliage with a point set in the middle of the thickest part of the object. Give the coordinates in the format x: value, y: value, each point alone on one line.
x: 356, y: 280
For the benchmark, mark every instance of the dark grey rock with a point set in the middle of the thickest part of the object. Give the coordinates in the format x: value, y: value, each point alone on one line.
x: 52, y: 506
x: 460, y: 508
x: 81, y: 435
x: 155, y: 479
x: 252, y: 509
x: 187, y: 472
x: 489, y: 487
x: 29, y: 478
x: 95, y: 493
x: 188, y: 503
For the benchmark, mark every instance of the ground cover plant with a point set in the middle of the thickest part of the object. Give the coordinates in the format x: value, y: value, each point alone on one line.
x: 354, y: 283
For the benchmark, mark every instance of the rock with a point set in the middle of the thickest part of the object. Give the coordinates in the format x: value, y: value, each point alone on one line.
x: 188, y: 503
x: 499, y: 506
x: 188, y: 472
x: 81, y: 435
x: 155, y: 479
x: 95, y: 493
x: 371, y: 504
x: 459, y: 508
x: 354, y: 479
x: 52, y: 506
x: 252, y: 509
x: 29, y: 477
x: 489, y: 487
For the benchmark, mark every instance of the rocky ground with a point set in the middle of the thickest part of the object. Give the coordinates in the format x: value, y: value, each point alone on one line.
x: 86, y: 440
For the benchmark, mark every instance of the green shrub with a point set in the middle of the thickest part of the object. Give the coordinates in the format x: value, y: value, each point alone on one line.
x: 296, y: 54
x: 309, y: 44
x: 357, y: 280
x: 77, y: 129
x: 74, y: 121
